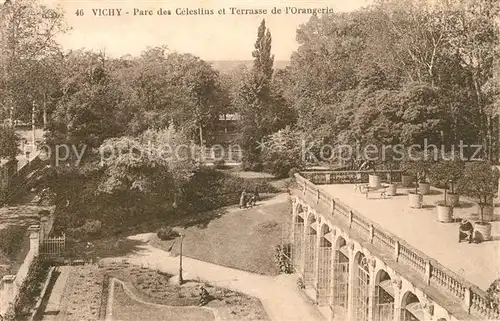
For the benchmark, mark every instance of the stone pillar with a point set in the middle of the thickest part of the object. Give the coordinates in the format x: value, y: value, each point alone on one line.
x: 44, y: 225
x: 467, y: 300
x: 352, y: 280
x: 304, y: 243
x: 7, y: 292
x: 428, y: 307
x: 396, y: 251
x: 34, y: 231
x: 316, y: 263
x: 371, y: 294
x: 428, y: 270
x: 397, y: 284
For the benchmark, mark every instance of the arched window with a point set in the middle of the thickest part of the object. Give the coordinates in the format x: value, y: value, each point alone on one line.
x: 340, y: 278
x: 324, y: 297
x: 361, y: 288
x: 384, y: 297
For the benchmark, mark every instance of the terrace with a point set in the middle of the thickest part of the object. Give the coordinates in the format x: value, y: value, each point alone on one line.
x: 420, y: 229
x: 411, y: 237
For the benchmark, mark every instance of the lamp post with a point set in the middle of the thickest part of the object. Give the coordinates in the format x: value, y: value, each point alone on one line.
x: 181, y: 280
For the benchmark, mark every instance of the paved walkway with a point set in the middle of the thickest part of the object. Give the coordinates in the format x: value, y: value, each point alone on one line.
x: 53, y: 305
x: 279, y: 295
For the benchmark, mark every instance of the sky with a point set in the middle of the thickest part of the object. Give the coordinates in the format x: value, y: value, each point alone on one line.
x: 211, y: 37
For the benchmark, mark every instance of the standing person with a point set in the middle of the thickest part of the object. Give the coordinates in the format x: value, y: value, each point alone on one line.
x: 243, y: 199
x: 256, y: 195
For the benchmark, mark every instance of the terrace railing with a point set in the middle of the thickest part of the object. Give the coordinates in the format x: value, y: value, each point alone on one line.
x: 473, y: 299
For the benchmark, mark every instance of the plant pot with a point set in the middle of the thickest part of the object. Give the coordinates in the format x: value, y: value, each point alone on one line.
x: 374, y: 181
x: 416, y: 199
x: 453, y: 199
x: 406, y: 180
x: 482, y: 231
x: 392, y: 190
x: 488, y: 211
x: 444, y: 212
x: 424, y: 188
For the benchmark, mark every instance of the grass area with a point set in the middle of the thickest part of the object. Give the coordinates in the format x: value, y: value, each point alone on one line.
x: 244, y: 240
x: 177, y: 302
x: 127, y: 309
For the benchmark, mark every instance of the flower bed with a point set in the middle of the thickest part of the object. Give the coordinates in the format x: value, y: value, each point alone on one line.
x: 157, y: 287
x: 83, y: 294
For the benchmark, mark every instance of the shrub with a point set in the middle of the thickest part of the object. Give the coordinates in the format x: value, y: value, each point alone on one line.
x: 493, y: 295
x: 29, y: 290
x: 11, y: 239
x: 210, y: 189
x: 251, y: 166
x: 282, y: 258
x: 480, y: 182
x: 166, y: 233
x: 89, y: 229
x: 293, y: 171
x: 447, y: 173
x: 220, y: 164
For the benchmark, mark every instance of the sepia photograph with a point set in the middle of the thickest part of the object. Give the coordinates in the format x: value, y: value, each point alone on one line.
x: 237, y: 160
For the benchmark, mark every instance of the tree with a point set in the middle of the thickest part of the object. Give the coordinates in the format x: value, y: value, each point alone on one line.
x: 480, y: 182
x: 283, y: 152
x: 261, y: 110
x: 156, y: 164
x: 9, y: 142
x: 28, y: 32
x: 86, y: 112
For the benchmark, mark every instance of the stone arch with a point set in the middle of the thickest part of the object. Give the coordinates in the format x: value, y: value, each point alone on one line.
x: 411, y: 307
x: 340, y: 242
x: 384, y: 297
x: 311, y: 223
x: 341, y: 277
x: 299, y: 219
x: 361, y: 286
x: 325, y: 252
x: 326, y: 235
x: 311, y: 249
x: 300, y: 211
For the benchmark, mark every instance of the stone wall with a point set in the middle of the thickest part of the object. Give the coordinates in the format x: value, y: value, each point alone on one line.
x: 10, y: 284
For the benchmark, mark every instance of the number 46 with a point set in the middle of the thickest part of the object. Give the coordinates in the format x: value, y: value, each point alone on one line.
x: 79, y: 12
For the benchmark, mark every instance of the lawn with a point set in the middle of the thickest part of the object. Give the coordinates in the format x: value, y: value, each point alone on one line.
x: 127, y: 309
x: 244, y: 240
x: 149, y: 291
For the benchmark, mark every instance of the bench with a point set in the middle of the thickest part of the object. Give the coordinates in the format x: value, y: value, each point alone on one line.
x: 366, y: 189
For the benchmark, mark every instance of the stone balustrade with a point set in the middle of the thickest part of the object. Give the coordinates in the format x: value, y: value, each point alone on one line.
x: 433, y: 273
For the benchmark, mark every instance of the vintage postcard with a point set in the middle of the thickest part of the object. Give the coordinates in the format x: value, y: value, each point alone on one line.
x: 286, y: 160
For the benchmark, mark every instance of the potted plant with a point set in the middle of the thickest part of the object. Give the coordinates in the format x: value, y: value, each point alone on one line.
x: 480, y: 182
x: 406, y: 179
x: 392, y: 187
x: 446, y: 174
x: 373, y: 178
x: 415, y: 197
x: 418, y: 165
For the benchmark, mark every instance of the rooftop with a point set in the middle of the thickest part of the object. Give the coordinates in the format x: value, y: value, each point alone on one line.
x: 478, y: 263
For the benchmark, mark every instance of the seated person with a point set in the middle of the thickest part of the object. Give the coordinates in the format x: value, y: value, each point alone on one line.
x: 466, y: 231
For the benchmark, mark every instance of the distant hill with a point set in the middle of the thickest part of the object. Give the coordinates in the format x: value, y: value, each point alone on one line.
x: 227, y: 65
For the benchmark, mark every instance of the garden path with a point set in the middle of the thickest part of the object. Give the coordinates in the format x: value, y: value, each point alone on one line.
x: 279, y: 294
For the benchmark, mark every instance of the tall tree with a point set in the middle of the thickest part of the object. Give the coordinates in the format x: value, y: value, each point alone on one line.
x: 27, y: 37
x: 262, y: 110
x: 9, y: 142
